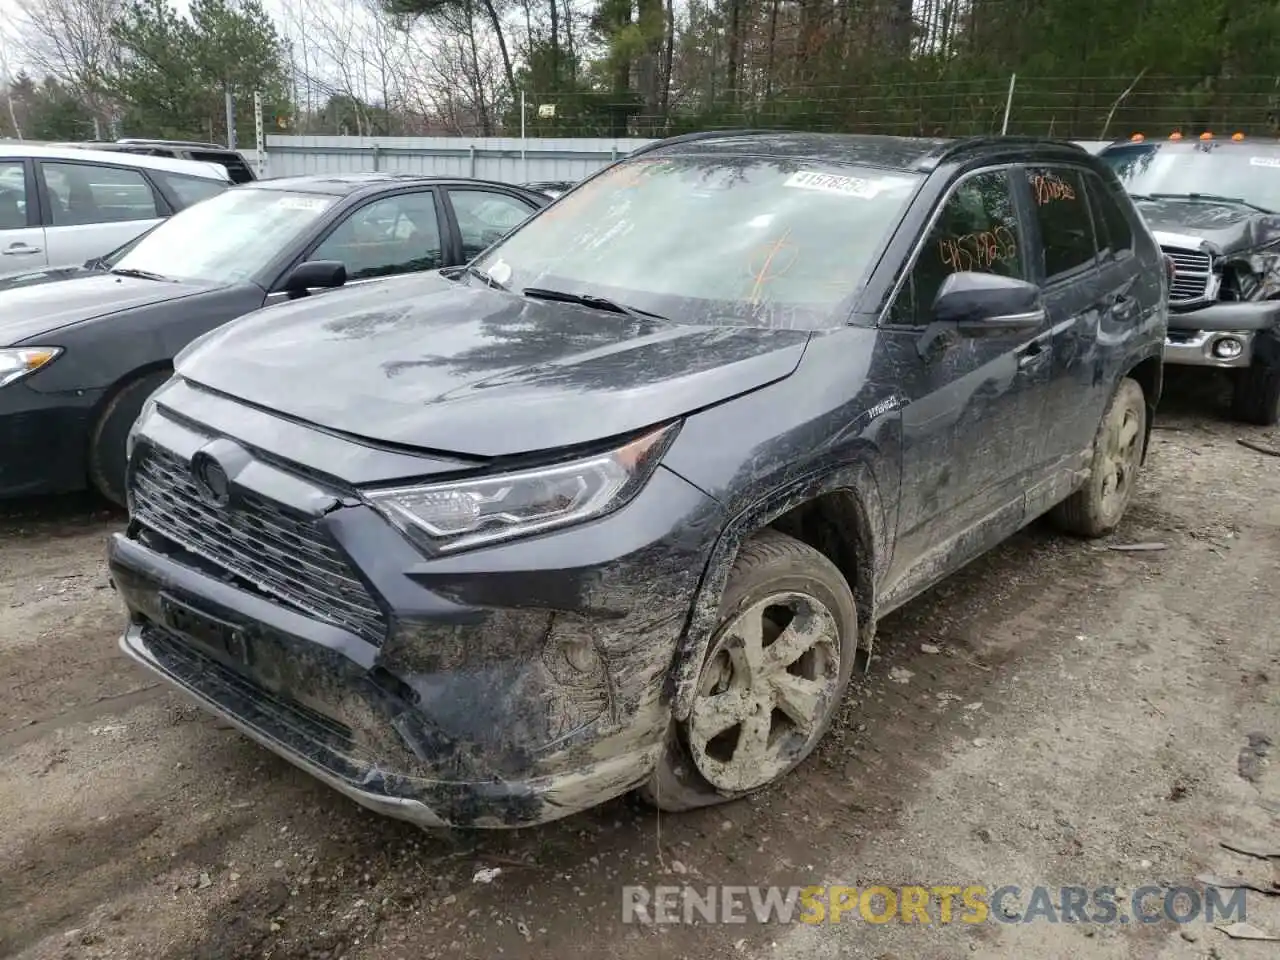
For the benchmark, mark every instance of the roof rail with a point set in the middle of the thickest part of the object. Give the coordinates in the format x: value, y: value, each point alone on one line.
x: 963, y: 145
x: 699, y: 135
x: 141, y: 141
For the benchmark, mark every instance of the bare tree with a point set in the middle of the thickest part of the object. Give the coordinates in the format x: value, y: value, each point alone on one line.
x: 72, y: 41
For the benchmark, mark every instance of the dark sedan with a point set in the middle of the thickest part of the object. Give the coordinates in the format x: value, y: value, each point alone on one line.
x: 81, y: 350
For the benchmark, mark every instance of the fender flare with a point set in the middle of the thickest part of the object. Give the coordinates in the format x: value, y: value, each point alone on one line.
x: 855, y: 480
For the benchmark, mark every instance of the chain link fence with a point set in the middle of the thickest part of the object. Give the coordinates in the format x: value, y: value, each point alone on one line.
x: 1084, y: 108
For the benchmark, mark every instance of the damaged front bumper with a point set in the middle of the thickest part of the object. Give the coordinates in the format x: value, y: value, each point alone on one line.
x: 504, y: 687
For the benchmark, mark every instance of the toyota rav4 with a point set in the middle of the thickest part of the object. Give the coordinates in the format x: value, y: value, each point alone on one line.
x: 618, y: 504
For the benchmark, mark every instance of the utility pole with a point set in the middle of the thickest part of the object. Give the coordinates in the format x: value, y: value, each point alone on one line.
x: 231, y: 117
x: 257, y: 129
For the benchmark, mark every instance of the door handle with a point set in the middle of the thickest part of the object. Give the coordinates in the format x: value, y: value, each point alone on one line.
x: 1123, y: 305
x: 1032, y: 353
x: 21, y: 250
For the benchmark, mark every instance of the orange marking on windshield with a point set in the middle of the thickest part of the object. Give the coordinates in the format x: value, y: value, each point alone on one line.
x: 762, y: 275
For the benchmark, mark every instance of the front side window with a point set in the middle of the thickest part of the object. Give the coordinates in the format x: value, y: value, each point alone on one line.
x: 764, y: 241
x: 485, y: 217
x: 13, y: 195
x: 399, y: 234
x: 976, y: 231
x: 227, y: 238
x: 81, y: 193
x: 1062, y: 213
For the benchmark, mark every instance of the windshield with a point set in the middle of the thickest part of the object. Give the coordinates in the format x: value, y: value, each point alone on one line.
x: 1236, y: 172
x: 747, y: 240
x: 225, y: 239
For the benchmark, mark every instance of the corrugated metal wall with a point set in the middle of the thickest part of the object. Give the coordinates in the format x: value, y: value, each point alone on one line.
x: 508, y: 159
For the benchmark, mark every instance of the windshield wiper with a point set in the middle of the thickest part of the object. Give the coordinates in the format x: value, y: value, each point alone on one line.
x: 587, y: 300
x: 1211, y: 198
x: 142, y: 274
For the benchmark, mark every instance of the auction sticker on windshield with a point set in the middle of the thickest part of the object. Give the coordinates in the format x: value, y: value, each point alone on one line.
x: 302, y: 203
x: 846, y: 186
x: 1264, y: 161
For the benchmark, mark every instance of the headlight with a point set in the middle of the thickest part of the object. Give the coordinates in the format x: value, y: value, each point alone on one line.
x: 468, y: 513
x: 17, y: 362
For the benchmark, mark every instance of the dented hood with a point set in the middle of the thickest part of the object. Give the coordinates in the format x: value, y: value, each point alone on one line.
x: 429, y: 363
x: 1228, y: 228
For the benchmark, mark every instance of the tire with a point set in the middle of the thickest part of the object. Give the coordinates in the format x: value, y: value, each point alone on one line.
x: 1097, y: 508
x: 1255, y: 395
x: 107, y: 460
x: 774, y: 577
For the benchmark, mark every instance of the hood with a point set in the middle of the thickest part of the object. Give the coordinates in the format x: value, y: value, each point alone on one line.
x: 436, y: 365
x: 11, y: 281
x: 38, y: 308
x: 1226, y: 227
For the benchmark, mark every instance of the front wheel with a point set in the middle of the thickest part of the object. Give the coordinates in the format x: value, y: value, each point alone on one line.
x: 1097, y: 508
x: 1255, y: 395
x: 108, y: 460
x: 774, y: 676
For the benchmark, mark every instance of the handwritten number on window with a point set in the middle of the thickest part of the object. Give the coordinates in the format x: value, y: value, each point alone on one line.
x: 978, y: 251
x: 1047, y: 189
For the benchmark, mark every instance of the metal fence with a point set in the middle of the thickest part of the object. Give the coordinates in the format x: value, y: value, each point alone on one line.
x: 510, y: 160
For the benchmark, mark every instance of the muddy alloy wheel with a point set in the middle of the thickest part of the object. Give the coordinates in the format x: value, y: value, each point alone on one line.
x: 771, y: 681
x: 1097, y: 508
x: 764, y: 691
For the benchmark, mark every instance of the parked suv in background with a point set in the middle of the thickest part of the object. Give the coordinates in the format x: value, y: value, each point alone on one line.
x: 1215, y: 208
x: 232, y: 160
x: 617, y: 505
x: 61, y: 206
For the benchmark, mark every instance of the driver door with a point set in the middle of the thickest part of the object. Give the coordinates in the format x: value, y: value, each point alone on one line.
x: 972, y: 424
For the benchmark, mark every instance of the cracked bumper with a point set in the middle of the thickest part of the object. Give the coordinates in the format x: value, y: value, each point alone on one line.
x: 512, y: 686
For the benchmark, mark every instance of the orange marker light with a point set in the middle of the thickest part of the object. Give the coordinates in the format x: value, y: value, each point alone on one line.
x: 1206, y: 135
x: 1175, y: 136
x: 1237, y: 137
x: 1137, y: 138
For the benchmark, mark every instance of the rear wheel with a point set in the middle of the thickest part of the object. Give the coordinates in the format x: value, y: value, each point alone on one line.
x: 1097, y: 508
x: 1255, y: 395
x: 773, y: 678
x: 107, y: 455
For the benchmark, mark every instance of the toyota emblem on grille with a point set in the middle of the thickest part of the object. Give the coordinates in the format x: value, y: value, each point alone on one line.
x: 210, y: 479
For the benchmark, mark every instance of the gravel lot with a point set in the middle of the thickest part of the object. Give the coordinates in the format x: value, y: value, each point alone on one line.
x: 1081, y: 722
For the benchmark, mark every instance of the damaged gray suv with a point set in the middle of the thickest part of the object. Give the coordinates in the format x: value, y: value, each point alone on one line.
x: 618, y: 504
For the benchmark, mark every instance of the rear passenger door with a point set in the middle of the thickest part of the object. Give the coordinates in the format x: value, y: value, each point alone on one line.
x: 90, y: 208
x: 22, y: 245
x: 1070, y: 270
x: 484, y: 216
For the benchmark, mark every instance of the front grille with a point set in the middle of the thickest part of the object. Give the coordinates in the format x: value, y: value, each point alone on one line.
x: 1193, y: 272
x: 287, y: 558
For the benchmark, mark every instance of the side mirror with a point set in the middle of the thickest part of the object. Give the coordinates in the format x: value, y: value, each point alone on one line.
x: 315, y: 274
x: 976, y: 302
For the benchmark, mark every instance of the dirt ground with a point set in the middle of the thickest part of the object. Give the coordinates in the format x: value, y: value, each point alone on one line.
x: 1083, y: 721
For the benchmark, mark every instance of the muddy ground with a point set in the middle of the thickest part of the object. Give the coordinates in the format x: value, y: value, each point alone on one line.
x: 1081, y: 723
